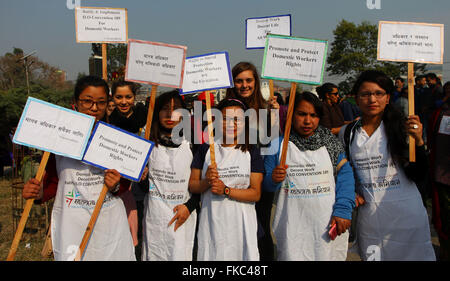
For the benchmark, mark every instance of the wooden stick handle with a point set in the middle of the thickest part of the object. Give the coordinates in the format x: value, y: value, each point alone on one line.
x: 151, y: 108
x: 104, y: 62
x: 287, y: 128
x: 210, y: 128
x: 91, y: 224
x: 271, y: 88
x: 412, y: 141
x: 27, y: 209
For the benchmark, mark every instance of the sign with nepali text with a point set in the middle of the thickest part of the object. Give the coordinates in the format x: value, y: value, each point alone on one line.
x: 155, y: 63
x: 52, y: 128
x: 411, y: 42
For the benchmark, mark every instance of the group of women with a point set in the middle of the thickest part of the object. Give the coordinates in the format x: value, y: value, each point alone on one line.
x: 314, y: 191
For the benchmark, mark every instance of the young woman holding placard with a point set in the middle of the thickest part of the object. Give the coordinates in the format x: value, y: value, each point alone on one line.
x: 76, y: 187
x: 316, y: 188
x: 392, y: 223
x: 247, y: 88
x: 228, y: 225
x: 169, y: 212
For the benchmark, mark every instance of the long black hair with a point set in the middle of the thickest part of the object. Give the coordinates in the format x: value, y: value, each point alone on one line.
x: 393, y: 119
x: 160, y: 101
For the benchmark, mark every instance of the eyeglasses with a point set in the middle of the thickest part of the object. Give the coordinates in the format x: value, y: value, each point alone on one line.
x: 236, y: 120
x: 90, y: 103
x: 366, y: 95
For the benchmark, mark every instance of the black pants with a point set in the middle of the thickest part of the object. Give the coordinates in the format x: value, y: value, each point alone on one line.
x: 263, y: 211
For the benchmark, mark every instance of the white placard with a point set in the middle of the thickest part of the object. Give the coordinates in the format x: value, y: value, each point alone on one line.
x: 101, y: 25
x: 207, y: 72
x: 155, y: 63
x: 114, y: 148
x: 411, y: 42
x: 444, y: 127
x: 294, y: 59
x: 52, y: 128
x: 256, y: 29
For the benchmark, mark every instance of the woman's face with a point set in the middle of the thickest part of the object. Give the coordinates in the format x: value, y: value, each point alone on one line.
x: 110, y: 108
x: 244, y: 83
x: 124, y: 99
x: 167, y: 117
x: 371, y: 99
x: 233, y: 123
x: 333, y: 96
x: 93, y: 101
x: 305, y: 119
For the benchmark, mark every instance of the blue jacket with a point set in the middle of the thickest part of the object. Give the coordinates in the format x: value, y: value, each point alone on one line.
x: 345, y: 182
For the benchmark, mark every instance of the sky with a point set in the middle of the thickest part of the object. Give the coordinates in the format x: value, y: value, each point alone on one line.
x: 204, y: 26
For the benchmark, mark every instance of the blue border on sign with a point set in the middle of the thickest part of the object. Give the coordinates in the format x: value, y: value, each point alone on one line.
x: 128, y: 133
x: 253, y: 48
x: 19, y: 126
x: 230, y: 76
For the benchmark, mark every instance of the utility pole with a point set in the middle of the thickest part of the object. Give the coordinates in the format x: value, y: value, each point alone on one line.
x: 25, y: 62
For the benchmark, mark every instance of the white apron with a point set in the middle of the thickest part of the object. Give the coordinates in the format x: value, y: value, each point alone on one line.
x: 227, y: 228
x: 79, y: 187
x: 393, y: 223
x: 169, y: 172
x: 304, y: 209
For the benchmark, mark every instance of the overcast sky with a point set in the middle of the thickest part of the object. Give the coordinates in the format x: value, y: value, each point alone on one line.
x: 204, y: 26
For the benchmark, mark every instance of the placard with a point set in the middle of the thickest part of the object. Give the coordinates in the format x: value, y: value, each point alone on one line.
x: 207, y: 72
x: 101, y: 25
x: 155, y: 63
x: 113, y: 148
x: 410, y: 42
x: 294, y: 59
x: 53, y: 128
x: 256, y: 29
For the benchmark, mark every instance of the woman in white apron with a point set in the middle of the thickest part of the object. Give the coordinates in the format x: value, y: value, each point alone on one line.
x: 228, y: 225
x: 316, y: 189
x: 169, y: 212
x: 392, y: 224
x: 76, y: 187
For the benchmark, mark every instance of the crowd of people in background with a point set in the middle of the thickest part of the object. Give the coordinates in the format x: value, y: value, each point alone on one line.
x: 346, y: 177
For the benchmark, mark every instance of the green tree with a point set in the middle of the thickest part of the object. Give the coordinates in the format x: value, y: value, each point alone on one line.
x: 354, y: 50
x: 12, y: 72
x: 116, y: 57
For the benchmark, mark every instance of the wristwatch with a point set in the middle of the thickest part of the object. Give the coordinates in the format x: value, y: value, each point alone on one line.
x: 226, y: 191
x: 116, y: 188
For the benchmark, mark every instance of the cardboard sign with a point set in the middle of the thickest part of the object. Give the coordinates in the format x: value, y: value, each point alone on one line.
x: 207, y: 72
x: 52, y: 128
x: 113, y: 148
x: 294, y: 59
x: 410, y: 42
x: 256, y: 29
x: 155, y: 63
x: 101, y: 25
